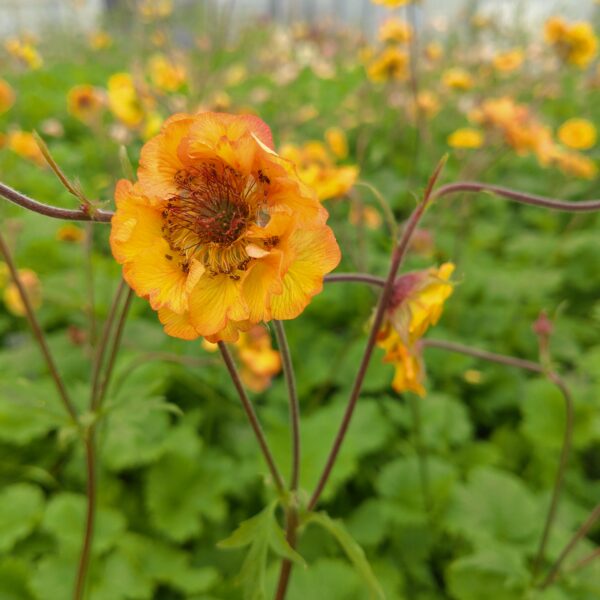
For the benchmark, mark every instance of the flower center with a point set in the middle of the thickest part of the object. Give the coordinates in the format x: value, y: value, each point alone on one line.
x: 208, y: 216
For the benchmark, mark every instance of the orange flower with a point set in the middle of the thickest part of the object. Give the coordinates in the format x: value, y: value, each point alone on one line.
x: 457, y: 79
x: 260, y: 363
x: 219, y: 233
x: 84, y: 102
x: 70, y: 233
x: 395, y: 30
x: 100, y: 40
x: 391, y: 63
x: 31, y: 283
x: 165, y: 74
x: 7, y: 96
x: 509, y: 61
x: 23, y: 143
x: 416, y: 304
x: 575, y: 43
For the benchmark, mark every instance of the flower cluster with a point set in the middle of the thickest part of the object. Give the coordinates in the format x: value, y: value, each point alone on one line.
x: 219, y: 232
x: 416, y: 304
x: 316, y: 164
x: 575, y: 43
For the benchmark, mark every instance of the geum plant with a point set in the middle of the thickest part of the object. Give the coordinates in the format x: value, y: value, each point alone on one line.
x: 219, y: 234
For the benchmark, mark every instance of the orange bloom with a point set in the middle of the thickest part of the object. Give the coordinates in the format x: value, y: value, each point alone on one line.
x: 7, y: 96
x: 395, y: 30
x: 219, y: 233
x: 165, y: 74
x: 260, y: 363
x: 23, y: 143
x: 100, y: 40
x: 575, y: 43
x: 391, y: 63
x: 457, y: 79
x: 84, y: 102
x: 579, y: 134
x: 70, y: 233
x: 509, y: 61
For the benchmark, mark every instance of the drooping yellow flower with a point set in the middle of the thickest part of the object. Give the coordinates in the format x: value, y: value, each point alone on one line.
x: 318, y: 170
x: 457, y: 79
x: 85, y: 103
x: 509, y: 61
x: 395, y: 30
x: 33, y: 288
x: 123, y: 99
x: 23, y: 143
x: 416, y: 304
x: 466, y: 137
x: 165, y: 74
x: 25, y: 52
x: 219, y: 233
x: 575, y: 43
x: 337, y: 142
x: 100, y: 40
x: 391, y: 63
x: 7, y: 96
x: 70, y: 233
x: 579, y: 134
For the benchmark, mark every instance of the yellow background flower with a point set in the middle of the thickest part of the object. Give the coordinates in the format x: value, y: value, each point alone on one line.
x: 579, y: 134
x: 466, y: 138
x: 33, y: 288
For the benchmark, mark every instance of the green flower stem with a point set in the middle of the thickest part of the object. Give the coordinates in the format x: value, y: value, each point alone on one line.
x: 38, y: 332
x: 291, y: 509
x: 251, y: 414
x: 397, y: 259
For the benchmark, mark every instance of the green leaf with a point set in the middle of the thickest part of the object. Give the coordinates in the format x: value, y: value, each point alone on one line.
x: 186, y: 486
x: 353, y: 551
x: 14, y: 575
x: 260, y: 533
x: 25, y: 413
x: 496, y: 570
x: 496, y: 507
x: 21, y: 508
x: 65, y: 518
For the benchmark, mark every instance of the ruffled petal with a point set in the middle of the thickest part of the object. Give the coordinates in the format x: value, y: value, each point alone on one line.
x: 214, y: 301
x: 316, y: 253
x: 177, y: 325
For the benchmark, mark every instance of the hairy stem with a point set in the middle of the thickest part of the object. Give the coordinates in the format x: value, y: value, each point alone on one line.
x: 579, y: 534
x: 251, y: 414
x: 37, y: 331
x: 83, y: 214
x: 517, y: 196
x: 398, y: 255
x: 112, y: 357
x: 88, y: 535
x: 511, y: 361
x: 102, y: 345
x: 291, y: 511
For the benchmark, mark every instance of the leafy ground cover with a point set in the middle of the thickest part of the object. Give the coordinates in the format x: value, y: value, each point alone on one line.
x: 447, y: 495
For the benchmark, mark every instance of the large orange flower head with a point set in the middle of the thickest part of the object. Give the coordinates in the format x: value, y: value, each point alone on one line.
x: 219, y: 232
